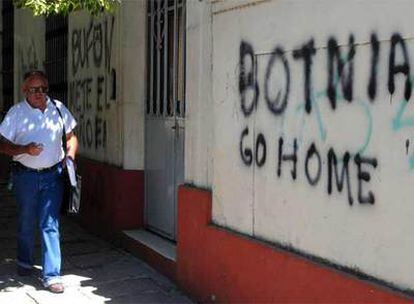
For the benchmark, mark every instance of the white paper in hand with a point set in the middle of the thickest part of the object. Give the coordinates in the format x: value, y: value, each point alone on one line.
x: 71, y: 171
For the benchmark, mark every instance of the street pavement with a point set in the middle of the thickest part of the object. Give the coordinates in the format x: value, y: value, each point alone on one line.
x: 93, y: 270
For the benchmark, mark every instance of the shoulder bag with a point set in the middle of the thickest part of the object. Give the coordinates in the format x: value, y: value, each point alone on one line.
x: 71, y: 194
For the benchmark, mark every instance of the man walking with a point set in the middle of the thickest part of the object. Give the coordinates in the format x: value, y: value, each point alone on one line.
x: 32, y: 132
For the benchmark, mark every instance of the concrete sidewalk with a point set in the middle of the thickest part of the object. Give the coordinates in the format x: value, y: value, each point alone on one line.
x: 93, y: 270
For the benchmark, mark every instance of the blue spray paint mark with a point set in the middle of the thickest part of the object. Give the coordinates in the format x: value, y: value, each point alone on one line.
x: 321, y: 95
x: 399, y: 122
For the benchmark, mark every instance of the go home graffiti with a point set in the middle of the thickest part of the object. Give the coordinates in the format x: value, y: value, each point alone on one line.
x: 258, y: 155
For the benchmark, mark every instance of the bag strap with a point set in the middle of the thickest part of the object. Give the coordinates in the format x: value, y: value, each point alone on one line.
x: 64, y: 142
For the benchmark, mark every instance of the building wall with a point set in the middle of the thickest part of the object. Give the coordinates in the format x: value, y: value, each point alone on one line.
x: 216, y: 265
x: 199, y: 120
x: 279, y: 146
x: 93, y: 67
x: 29, y: 47
x: 133, y: 81
x: 107, y: 77
x: 106, y: 91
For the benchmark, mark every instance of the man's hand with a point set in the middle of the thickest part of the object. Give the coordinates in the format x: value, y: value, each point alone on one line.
x: 34, y: 149
x: 9, y: 148
x: 71, y: 145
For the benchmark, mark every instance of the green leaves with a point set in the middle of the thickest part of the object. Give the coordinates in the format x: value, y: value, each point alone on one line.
x: 64, y: 7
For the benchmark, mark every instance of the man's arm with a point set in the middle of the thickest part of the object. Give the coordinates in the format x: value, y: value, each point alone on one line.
x: 72, y: 145
x: 9, y: 148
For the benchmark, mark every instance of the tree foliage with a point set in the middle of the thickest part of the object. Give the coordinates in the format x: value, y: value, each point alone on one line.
x: 64, y: 7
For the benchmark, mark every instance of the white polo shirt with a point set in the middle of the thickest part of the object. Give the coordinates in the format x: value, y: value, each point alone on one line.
x: 24, y: 124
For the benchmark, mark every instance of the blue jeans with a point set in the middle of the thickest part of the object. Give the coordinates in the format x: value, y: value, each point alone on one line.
x: 39, y: 196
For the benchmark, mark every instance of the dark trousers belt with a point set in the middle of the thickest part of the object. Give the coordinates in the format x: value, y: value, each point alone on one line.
x: 20, y: 167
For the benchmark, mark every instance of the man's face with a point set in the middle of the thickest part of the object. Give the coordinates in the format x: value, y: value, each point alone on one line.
x: 35, y: 90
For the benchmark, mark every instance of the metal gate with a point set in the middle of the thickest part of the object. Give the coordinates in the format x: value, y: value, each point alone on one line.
x: 56, y: 56
x: 165, y: 114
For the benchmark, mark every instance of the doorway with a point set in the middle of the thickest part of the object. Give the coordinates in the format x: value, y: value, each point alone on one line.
x: 165, y: 114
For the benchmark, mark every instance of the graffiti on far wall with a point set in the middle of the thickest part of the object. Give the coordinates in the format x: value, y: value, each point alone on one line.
x: 29, y: 59
x: 92, y: 93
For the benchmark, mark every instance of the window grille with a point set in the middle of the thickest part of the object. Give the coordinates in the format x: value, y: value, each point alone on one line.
x: 56, y: 56
x: 166, y: 58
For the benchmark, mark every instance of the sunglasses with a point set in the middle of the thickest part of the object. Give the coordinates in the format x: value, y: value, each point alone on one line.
x: 34, y: 90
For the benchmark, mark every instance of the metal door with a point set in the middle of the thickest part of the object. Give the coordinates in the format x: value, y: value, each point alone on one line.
x: 165, y: 114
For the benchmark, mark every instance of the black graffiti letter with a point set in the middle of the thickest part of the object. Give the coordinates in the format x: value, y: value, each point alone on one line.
x: 372, y: 87
x: 306, y: 53
x: 113, y: 91
x: 260, y: 142
x: 89, y: 133
x: 97, y: 45
x: 333, y: 163
x: 346, y: 80
x: 287, y: 157
x: 99, y: 90
x: 88, y: 42
x: 246, y: 153
x: 108, y: 41
x: 312, y: 151
x: 247, y: 79
x: 98, y: 132
x: 104, y: 135
x: 364, y: 176
x: 278, y: 104
x: 404, y: 68
x: 87, y: 92
x: 76, y: 51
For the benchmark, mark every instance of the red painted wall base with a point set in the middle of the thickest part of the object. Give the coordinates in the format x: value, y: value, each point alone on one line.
x: 112, y: 199
x: 216, y: 265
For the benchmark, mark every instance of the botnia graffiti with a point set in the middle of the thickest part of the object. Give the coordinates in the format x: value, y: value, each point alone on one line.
x: 323, y: 162
x: 340, y: 73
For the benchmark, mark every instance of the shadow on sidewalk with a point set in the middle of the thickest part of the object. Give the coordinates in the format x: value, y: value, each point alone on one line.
x: 93, y: 271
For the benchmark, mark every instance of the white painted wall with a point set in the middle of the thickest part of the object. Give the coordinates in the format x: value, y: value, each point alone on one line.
x: 374, y: 238
x: 111, y: 123
x: 199, y: 120
x: 93, y: 79
x: 29, y: 47
x: 133, y: 75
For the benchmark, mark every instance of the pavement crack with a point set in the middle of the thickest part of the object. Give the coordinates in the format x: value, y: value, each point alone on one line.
x: 32, y: 298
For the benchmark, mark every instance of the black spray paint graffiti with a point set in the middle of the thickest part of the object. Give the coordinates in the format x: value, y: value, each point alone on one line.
x: 247, y: 80
x: 92, y: 96
x: 342, y: 70
x: 93, y: 41
x: 306, y: 53
x: 346, y: 80
x: 340, y: 73
x: 29, y: 60
x: 403, y: 68
x: 312, y: 154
